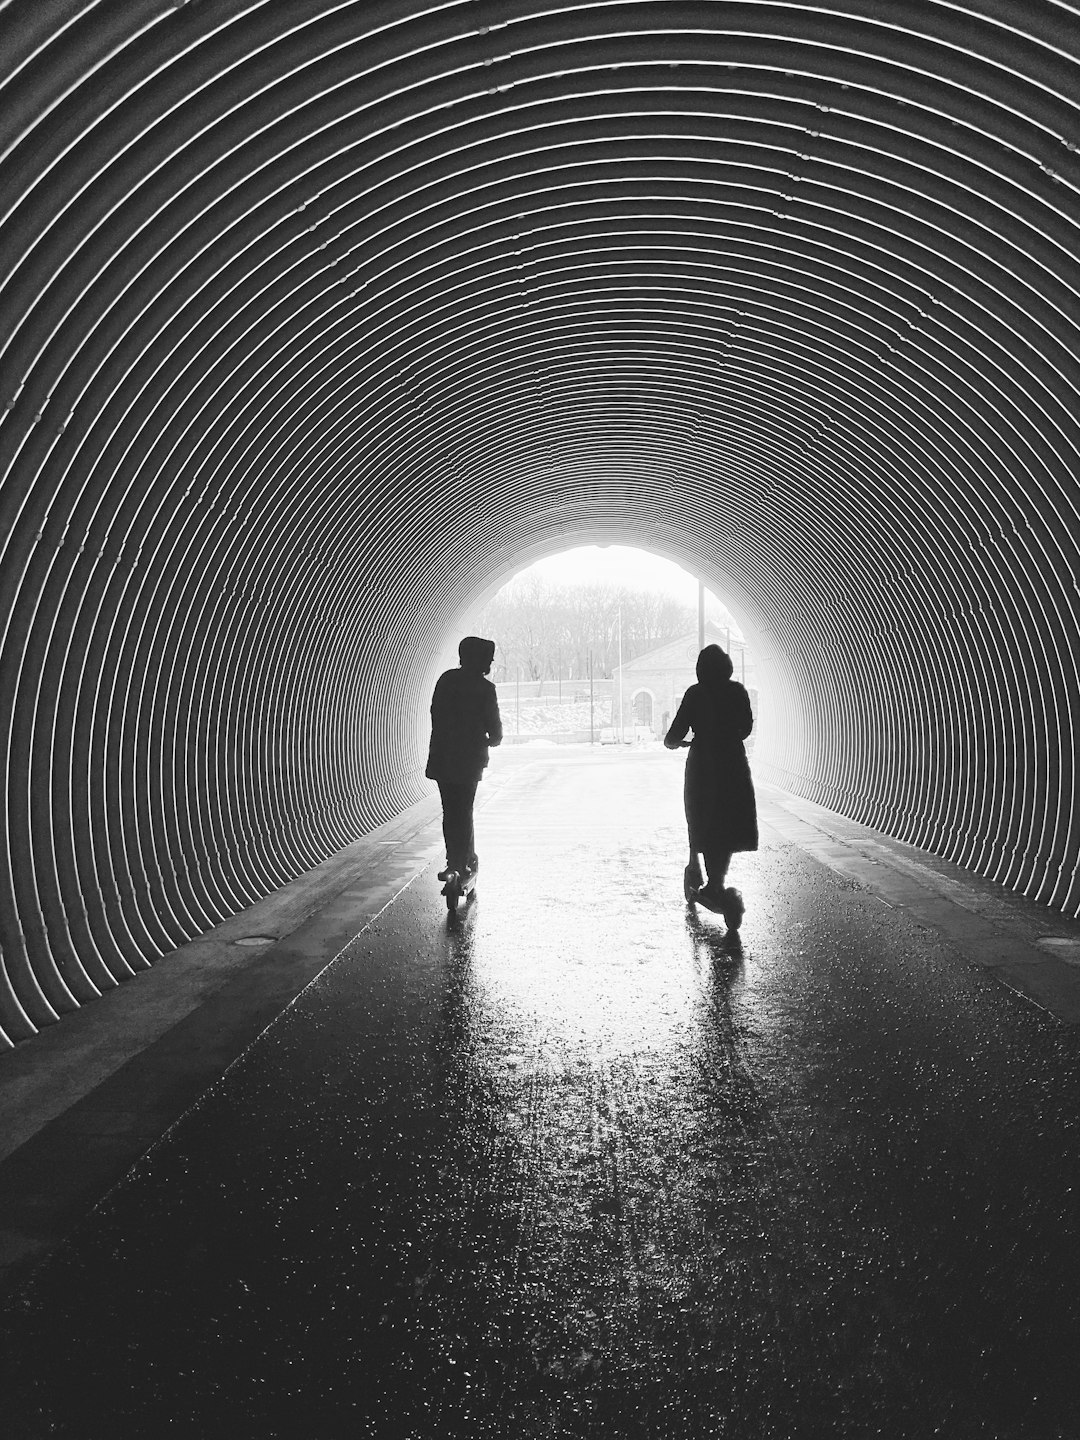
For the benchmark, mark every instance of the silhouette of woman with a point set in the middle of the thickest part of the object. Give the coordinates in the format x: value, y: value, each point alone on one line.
x: 718, y: 792
x: 465, y: 721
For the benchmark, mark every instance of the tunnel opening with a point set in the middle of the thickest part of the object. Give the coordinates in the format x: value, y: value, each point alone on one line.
x: 597, y: 643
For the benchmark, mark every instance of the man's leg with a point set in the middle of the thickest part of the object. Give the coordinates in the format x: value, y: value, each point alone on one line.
x: 458, y: 823
x: 471, y: 860
x: 468, y: 835
x: 446, y: 794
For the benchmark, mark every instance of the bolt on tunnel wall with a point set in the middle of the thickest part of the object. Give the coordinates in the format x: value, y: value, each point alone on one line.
x: 320, y: 320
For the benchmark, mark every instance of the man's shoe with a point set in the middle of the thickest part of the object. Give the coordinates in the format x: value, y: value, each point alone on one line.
x: 445, y: 874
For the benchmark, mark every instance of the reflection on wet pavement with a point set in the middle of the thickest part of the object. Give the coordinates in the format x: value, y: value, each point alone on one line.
x: 581, y: 1165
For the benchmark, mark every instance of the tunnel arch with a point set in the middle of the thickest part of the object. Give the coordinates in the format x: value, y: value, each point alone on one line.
x: 321, y: 319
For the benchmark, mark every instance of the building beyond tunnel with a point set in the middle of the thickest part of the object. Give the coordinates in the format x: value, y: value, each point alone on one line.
x: 653, y: 684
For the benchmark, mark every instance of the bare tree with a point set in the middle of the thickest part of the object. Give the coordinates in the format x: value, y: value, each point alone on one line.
x: 544, y: 631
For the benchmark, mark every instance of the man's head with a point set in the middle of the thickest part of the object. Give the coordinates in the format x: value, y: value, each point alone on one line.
x: 476, y: 654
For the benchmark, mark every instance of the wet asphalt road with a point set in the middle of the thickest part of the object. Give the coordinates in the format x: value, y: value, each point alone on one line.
x: 583, y: 1167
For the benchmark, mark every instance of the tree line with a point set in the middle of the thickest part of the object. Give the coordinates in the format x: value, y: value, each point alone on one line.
x: 546, y: 631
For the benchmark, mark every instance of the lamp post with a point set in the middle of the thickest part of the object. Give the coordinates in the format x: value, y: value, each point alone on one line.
x: 592, y: 727
x: 620, y: 679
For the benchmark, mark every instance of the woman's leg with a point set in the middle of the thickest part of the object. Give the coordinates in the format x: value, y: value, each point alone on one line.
x: 730, y: 901
x: 716, y: 868
x: 692, y: 876
x: 693, y: 873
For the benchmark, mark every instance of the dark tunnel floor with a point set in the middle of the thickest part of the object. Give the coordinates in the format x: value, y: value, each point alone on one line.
x: 580, y: 1167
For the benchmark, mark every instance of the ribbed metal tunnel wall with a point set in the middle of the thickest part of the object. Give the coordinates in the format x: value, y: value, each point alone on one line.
x: 321, y: 318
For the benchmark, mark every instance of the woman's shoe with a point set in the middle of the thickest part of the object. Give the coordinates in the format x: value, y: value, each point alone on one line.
x: 710, y: 898
x: 732, y: 908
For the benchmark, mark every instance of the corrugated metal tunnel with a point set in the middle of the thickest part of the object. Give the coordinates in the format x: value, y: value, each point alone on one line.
x: 323, y: 318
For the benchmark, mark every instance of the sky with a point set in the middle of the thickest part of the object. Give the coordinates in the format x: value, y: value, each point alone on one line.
x: 619, y: 564
x: 626, y: 565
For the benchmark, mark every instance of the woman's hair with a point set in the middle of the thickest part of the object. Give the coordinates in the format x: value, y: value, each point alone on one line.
x: 476, y: 654
x: 713, y: 665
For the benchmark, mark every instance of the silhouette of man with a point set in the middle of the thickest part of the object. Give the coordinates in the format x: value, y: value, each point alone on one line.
x: 464, y: 722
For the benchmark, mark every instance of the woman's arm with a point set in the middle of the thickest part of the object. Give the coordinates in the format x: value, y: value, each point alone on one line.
x: 679, y: 726
x: 745, y: 716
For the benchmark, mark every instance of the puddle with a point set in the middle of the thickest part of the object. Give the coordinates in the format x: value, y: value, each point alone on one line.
x: 1065, y: 949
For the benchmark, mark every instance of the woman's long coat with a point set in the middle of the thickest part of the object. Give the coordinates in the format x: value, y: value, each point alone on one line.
x: 718, y: 792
